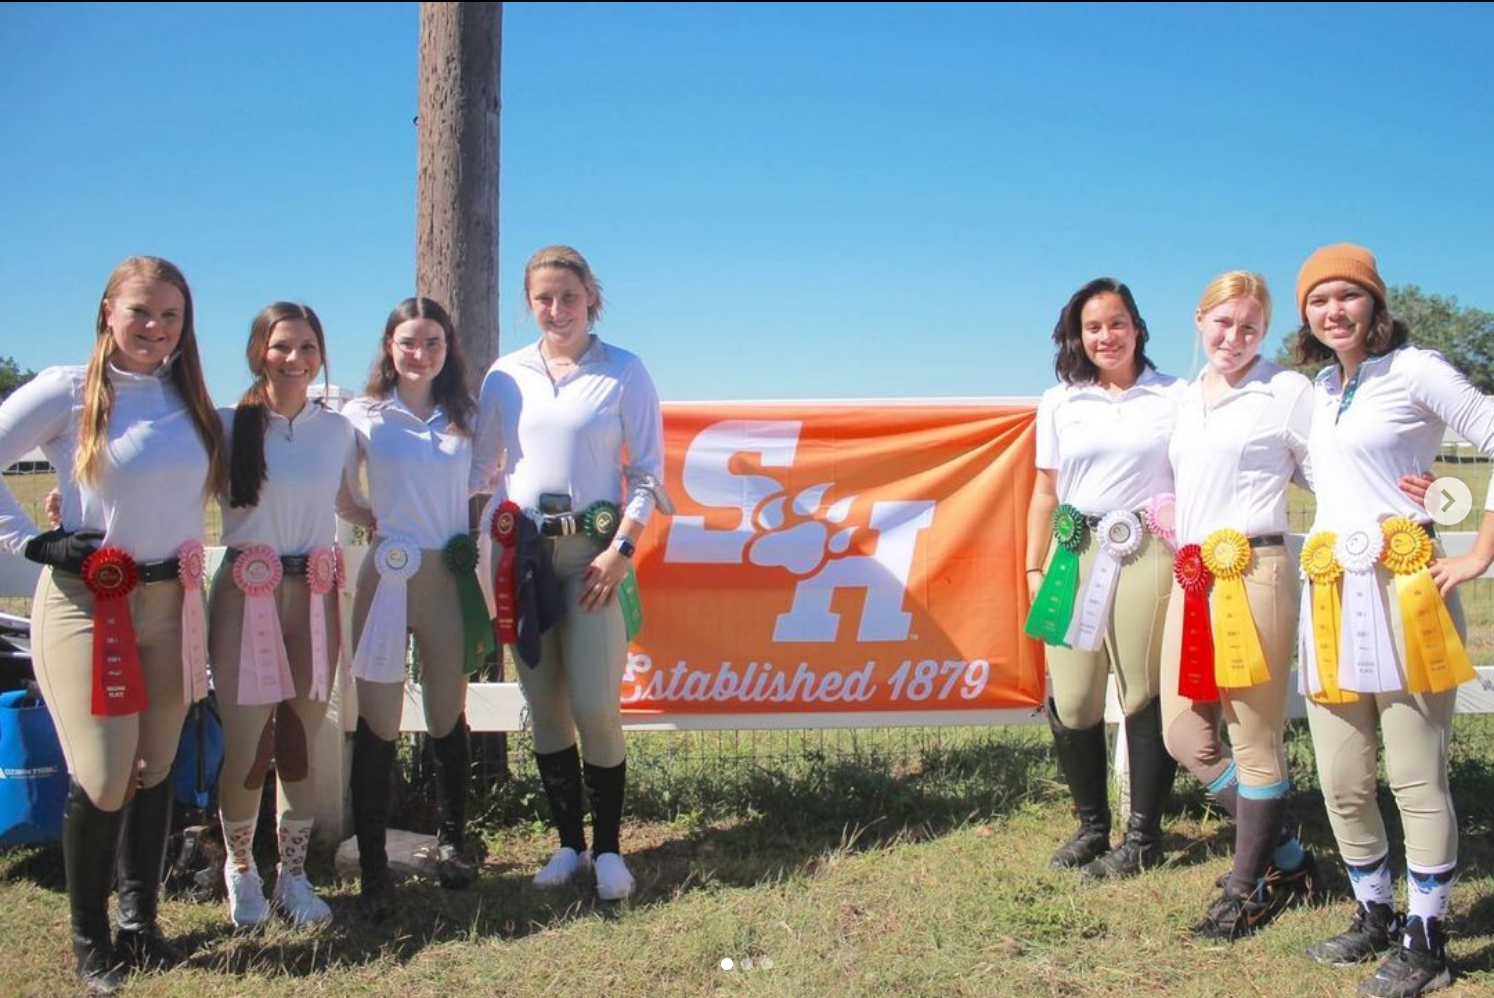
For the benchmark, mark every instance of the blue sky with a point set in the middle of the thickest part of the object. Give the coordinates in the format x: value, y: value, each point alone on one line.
x: 782, y: 201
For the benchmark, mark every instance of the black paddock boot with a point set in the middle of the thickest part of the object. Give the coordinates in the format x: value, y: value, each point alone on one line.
x: 1376, y: 929
x: 90, y: 840
x: 373, y: 765
x: 1152, y: 771
x: 1083, y: 764
x: 1416, y: 966
x: 453, y: 771
x: 142, y: 859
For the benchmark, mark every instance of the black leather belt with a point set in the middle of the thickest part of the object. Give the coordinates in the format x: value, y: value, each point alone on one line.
x: 1094, y: 520
x: 290, y: 564
x: 146, y: 571
x: 1268, y: 541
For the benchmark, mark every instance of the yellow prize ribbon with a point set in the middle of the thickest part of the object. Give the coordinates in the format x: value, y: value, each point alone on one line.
x: 1435, y: 657
x: 1323, y: 572
x: 1238, y: 659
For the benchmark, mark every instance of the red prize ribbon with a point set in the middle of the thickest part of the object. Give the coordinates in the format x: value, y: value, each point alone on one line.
x: 1196, y: 665
x: 118, y: 682
x: 505, y: 534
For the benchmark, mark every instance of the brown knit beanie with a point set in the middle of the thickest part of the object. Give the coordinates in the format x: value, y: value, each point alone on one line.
x: 1339, y: 262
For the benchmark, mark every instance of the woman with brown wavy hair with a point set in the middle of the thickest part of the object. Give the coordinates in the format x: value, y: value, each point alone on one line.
x: 1102, y: 436
x: 414, y: 428
x: 118, y: 652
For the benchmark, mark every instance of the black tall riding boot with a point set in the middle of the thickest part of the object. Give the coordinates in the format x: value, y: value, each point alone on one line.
x: 1082, y: 763
x: 373, y: 766
x: 453, y: 770
x: 90, y: 841
x: 560, y: 772
x: 1152, y: 771
x: 142, y: 859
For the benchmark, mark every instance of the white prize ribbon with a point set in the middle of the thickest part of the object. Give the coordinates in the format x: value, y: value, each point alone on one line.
x: 1309, y: 683
x: 1119, y: 536
x: 1367, y: 658
x: 380, y: 657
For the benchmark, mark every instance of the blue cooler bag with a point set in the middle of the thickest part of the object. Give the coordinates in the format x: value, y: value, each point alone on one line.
x: 33, y: 775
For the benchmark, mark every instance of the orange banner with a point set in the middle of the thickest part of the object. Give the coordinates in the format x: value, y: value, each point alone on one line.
x: 823, y: 557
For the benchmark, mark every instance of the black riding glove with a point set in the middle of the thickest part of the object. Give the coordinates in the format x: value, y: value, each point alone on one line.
x: 64, y: 549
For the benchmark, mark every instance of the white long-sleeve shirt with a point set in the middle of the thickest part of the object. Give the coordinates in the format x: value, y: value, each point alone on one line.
x: 149, y: 496
x: 1231, y: 463
x: 584, y: 435
x: 1110, y: 452
x: 417, y: 471
x: 307, y: 461
x: 1392, y: 427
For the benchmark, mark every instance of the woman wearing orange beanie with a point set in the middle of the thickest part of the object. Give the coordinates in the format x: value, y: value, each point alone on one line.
x: 1381, y: 655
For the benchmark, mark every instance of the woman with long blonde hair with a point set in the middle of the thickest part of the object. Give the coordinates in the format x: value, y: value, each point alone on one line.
x: 119, y: 651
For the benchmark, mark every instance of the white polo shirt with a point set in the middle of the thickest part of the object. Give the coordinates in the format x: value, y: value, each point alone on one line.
x: 1231, y: 463
x: 307, y: 461
x: 1110, y: 452
x: 149, y: 497
x: 1392, y: 427
x: 584, y: 435
x: 417, y: 471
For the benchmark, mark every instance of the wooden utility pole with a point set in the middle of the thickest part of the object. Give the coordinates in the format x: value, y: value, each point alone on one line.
x: 456, y: 187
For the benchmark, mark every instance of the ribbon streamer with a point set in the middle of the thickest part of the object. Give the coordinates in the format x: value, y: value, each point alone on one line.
x: 460, y: 558
x: 191, y: 570
x: 321, y: 579
x: 1319, y: 622
x: 1119, y: 535
x: 1048, y: 620
x: 1367, y: 657
x: 631, y: 602
x: 1435, y: 657
x: 380, y: 657
x: 505, y: 532
x: 1239, y: 661
x: 1196, y: 659
x: 339, y: 584
x: 264, y: 668
x: 118, y: 681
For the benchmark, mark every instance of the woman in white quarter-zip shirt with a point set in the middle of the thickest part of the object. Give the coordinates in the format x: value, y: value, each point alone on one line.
x: 1102, y: 438
x: 1381, y: 408
x: 413, y: 425
x: 274, y: 634
x: 1241, y: 437
x: 138, y: 452
x: 570, y: 427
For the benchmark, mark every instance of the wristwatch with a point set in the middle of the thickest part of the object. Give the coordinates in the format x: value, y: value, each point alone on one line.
x: 624, y: 546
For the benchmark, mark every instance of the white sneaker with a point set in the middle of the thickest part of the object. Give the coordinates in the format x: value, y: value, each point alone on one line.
x: 563, y: 867
x: 614, y: 882
x: 297, y: 900
x: 246, y: 897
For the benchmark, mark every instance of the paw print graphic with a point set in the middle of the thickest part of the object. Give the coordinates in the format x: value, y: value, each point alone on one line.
x: 800, y: 534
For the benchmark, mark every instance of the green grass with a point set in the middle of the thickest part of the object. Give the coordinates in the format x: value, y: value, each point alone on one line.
x: 882, y: 867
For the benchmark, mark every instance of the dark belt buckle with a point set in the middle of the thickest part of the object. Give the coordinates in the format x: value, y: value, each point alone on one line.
x: 1268, y: 541
x: 159, y: 571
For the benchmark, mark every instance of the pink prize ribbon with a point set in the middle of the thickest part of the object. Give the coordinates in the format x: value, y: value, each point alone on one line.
x: 321, y: 579
x: 264, y: 669
x: 190, y: 570
x: 1160, y: 516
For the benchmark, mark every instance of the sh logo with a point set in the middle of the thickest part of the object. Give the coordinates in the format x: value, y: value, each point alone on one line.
x: 796, y: 533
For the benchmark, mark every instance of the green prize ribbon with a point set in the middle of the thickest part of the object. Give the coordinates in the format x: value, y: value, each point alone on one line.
x: 460, y: 558
x: 631, y: 603
x: 600, y: 521
x: 1053, y: 609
